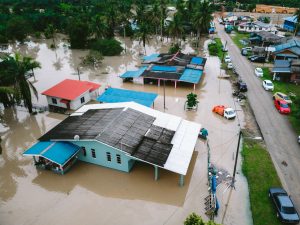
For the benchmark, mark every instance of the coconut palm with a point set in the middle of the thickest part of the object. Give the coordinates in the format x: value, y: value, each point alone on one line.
x: 297, y: 15
x: 155, y: 16
x: 176, y: 27
x: 163, y: 16
x: 13, y: 75
x: 202, y: 17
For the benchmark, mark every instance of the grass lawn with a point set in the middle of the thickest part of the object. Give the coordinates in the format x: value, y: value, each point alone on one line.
x: 215, y: 49
x: 261, y: 175
x: 239, y: 36
x: 286, y: 88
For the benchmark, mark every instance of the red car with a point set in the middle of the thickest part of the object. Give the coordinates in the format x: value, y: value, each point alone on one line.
x: 282, y: 106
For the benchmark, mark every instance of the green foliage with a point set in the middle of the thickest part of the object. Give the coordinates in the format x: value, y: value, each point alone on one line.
x: 49, y: 31
x: 94, y: 58
x: 191, y: 100
x: 266, y: 20
x: 194, y: 219
x: 213, y: 49
x: 78, y: 32
x: 18, y: 28
x: 261, y: 175
x: 174, y: 48
x: 107, y: 47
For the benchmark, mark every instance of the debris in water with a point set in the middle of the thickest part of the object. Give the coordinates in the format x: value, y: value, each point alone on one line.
x: 284, y: 163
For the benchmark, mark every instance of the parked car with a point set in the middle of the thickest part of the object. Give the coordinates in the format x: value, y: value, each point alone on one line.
x: 268, y: 85
x: 282, y: 96
x: 224, y: 49
x: 227, y: 59
x: 299, y: 139
x: 230, y: 65
x: 282, y: 106
x: 260, y: 59
x: 247, y: 48
x: 259, y: 72
x: 242, y: 86
x: 285, y: 208
x: 244, y: 52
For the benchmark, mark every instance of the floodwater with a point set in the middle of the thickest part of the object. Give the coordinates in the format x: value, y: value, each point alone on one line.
x: 91, y: 194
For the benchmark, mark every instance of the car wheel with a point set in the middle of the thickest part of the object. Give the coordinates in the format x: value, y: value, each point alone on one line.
x: 273, y: 98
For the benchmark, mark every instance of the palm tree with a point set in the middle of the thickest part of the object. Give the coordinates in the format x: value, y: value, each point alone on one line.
x: 143, y: 33
x: 13, y: 72
x: 202, y: 17
x: 163, y: 16
x: 99, y: 26
x: 176, y: 26
x: 155, y: 16
x: 297, y: 15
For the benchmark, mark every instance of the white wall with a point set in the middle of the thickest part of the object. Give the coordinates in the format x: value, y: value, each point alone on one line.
x: 76, y: 104
x: 59, y: 104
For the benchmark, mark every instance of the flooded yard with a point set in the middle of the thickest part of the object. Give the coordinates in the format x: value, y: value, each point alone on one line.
x: 90, y: 194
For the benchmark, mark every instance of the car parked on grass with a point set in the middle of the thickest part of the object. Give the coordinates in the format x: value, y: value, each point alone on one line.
x: 285, y: 209
x: 244, y: 52
x: 255, y: 58
x: 230, y: 65
x: 224, y: 49
x: 282, y: 96
x: 268, y: 85
x: 282, y: 106
x: 242, y: 86
x: 259, y: 72
x: 227, y: 59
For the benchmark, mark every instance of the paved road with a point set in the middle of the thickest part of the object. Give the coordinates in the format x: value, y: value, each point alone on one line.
x: 278, y: 133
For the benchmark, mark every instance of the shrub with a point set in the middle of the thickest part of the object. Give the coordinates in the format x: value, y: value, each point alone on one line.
x: 107, y: 47
x: 94, y: 58
x: 192, y: 100
x: 174, y: 48
x: 213, y: 49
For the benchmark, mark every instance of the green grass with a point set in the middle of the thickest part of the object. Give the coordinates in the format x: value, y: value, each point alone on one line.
x: 215, y: 49
x: 239, y: 36
x: 261, y: 175
x: 286, y: 88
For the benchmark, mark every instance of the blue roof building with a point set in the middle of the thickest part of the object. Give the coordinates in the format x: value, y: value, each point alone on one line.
x: 116, y: 135
x: 289, y: 50
x: 176, y: 68
x: 290, y: 23
x: 113, y: 95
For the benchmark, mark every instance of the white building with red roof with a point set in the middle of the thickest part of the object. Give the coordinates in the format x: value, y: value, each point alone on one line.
x: 71, y: 94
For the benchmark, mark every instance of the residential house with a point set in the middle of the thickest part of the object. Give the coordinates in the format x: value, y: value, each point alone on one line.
x: 256, y: 27
x: 71, y: 94
x: 287, y: 70
x: 289, y: 50
x: 116, y: 135
x: 290, y: 23
x: 265, y: 38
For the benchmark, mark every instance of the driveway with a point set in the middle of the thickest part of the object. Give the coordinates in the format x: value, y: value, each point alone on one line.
x: 278, y: 133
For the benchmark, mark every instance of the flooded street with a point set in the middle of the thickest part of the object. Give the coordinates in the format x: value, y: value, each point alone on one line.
x: 90, y: 194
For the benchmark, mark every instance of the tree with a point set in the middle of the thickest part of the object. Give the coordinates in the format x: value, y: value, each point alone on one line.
x: 297, y: 15
x: 13, y: 71
x: 78, y: 31
x: 18, y: 28
x: 176, y: 27
x: 194, y: 219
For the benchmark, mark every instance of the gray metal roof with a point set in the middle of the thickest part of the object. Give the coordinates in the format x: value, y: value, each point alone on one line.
x: 282, y: 63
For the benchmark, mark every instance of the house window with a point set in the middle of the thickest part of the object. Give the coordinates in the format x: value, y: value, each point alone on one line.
x: 83, y: 151
x: 82, y: 100
x: 93, y: 153
x: 54, y: 101
x: 108, y: 156
x: 119, y: 159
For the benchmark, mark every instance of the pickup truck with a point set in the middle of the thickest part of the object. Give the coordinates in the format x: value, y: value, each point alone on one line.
x: 226, y: 112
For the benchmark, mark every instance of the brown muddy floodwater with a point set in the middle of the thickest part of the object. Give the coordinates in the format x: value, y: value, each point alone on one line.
x: 91, y: 194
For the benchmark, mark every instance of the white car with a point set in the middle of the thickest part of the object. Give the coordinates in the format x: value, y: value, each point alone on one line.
x: 268, y: 85
x: 230, y: 65
x: 229, y: 113
x: 227, y: 59
x: 259, y: 72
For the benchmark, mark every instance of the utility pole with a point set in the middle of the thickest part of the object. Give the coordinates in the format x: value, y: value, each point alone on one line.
x: 236, y: 158
x: 78, y: 73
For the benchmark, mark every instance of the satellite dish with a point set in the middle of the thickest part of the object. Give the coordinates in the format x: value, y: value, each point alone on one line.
x: 76, y: 137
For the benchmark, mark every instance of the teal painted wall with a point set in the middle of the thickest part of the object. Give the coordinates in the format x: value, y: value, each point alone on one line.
x: 101, y: 157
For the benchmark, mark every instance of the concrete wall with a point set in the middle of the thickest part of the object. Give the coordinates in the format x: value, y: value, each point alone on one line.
x: 101, y: 157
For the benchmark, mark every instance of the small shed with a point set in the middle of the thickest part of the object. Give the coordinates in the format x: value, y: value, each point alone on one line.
x: 290, y: 23
x: 71, y: 94
x: 112, y: 95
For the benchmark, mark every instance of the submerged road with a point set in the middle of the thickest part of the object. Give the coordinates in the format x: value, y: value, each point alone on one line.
x: 279, y: 136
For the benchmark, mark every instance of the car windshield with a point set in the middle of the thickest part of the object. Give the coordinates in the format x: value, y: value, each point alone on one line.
x: 286, y: 98
x: 230, y: 112
x: 259, y: 69
x: 288, y: 210
x: 284, y: 105
x: 270, y: 84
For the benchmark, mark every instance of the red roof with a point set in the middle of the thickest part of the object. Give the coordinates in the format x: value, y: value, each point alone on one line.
x: 71, y: 89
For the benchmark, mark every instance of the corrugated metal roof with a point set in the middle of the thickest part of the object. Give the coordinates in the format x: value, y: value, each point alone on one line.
x: 135, y: 73
x: 290, y: 44
x: 151, y: 57
x: 57, y: 152
x: 191, y: 76
x: 112, y: 95
x: 164, y: 68
x: 282, y: 63
x: 292, y: 19
x: 197, y: 60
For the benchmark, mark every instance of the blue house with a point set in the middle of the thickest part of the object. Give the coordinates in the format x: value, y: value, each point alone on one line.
x: 116, y: 135
x: 290, y: 23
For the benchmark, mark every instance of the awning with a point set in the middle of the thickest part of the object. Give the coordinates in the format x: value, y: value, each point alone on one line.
x: 113, y: 95
x: 164, y: 68
x: 57, y: 152
x: 64, y: 101
x: 281, y: 70
x: 287, y: 55
x: 135, y: 73
x: 191, y: 76
x: 197, y: 60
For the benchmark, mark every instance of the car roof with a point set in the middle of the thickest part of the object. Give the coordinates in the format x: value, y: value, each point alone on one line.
x: 282, y: 101
x: 229, y: 109
x: 280, y: 93
x: 267, y: 81
x: 285, y: 200
x: 258, y: 68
